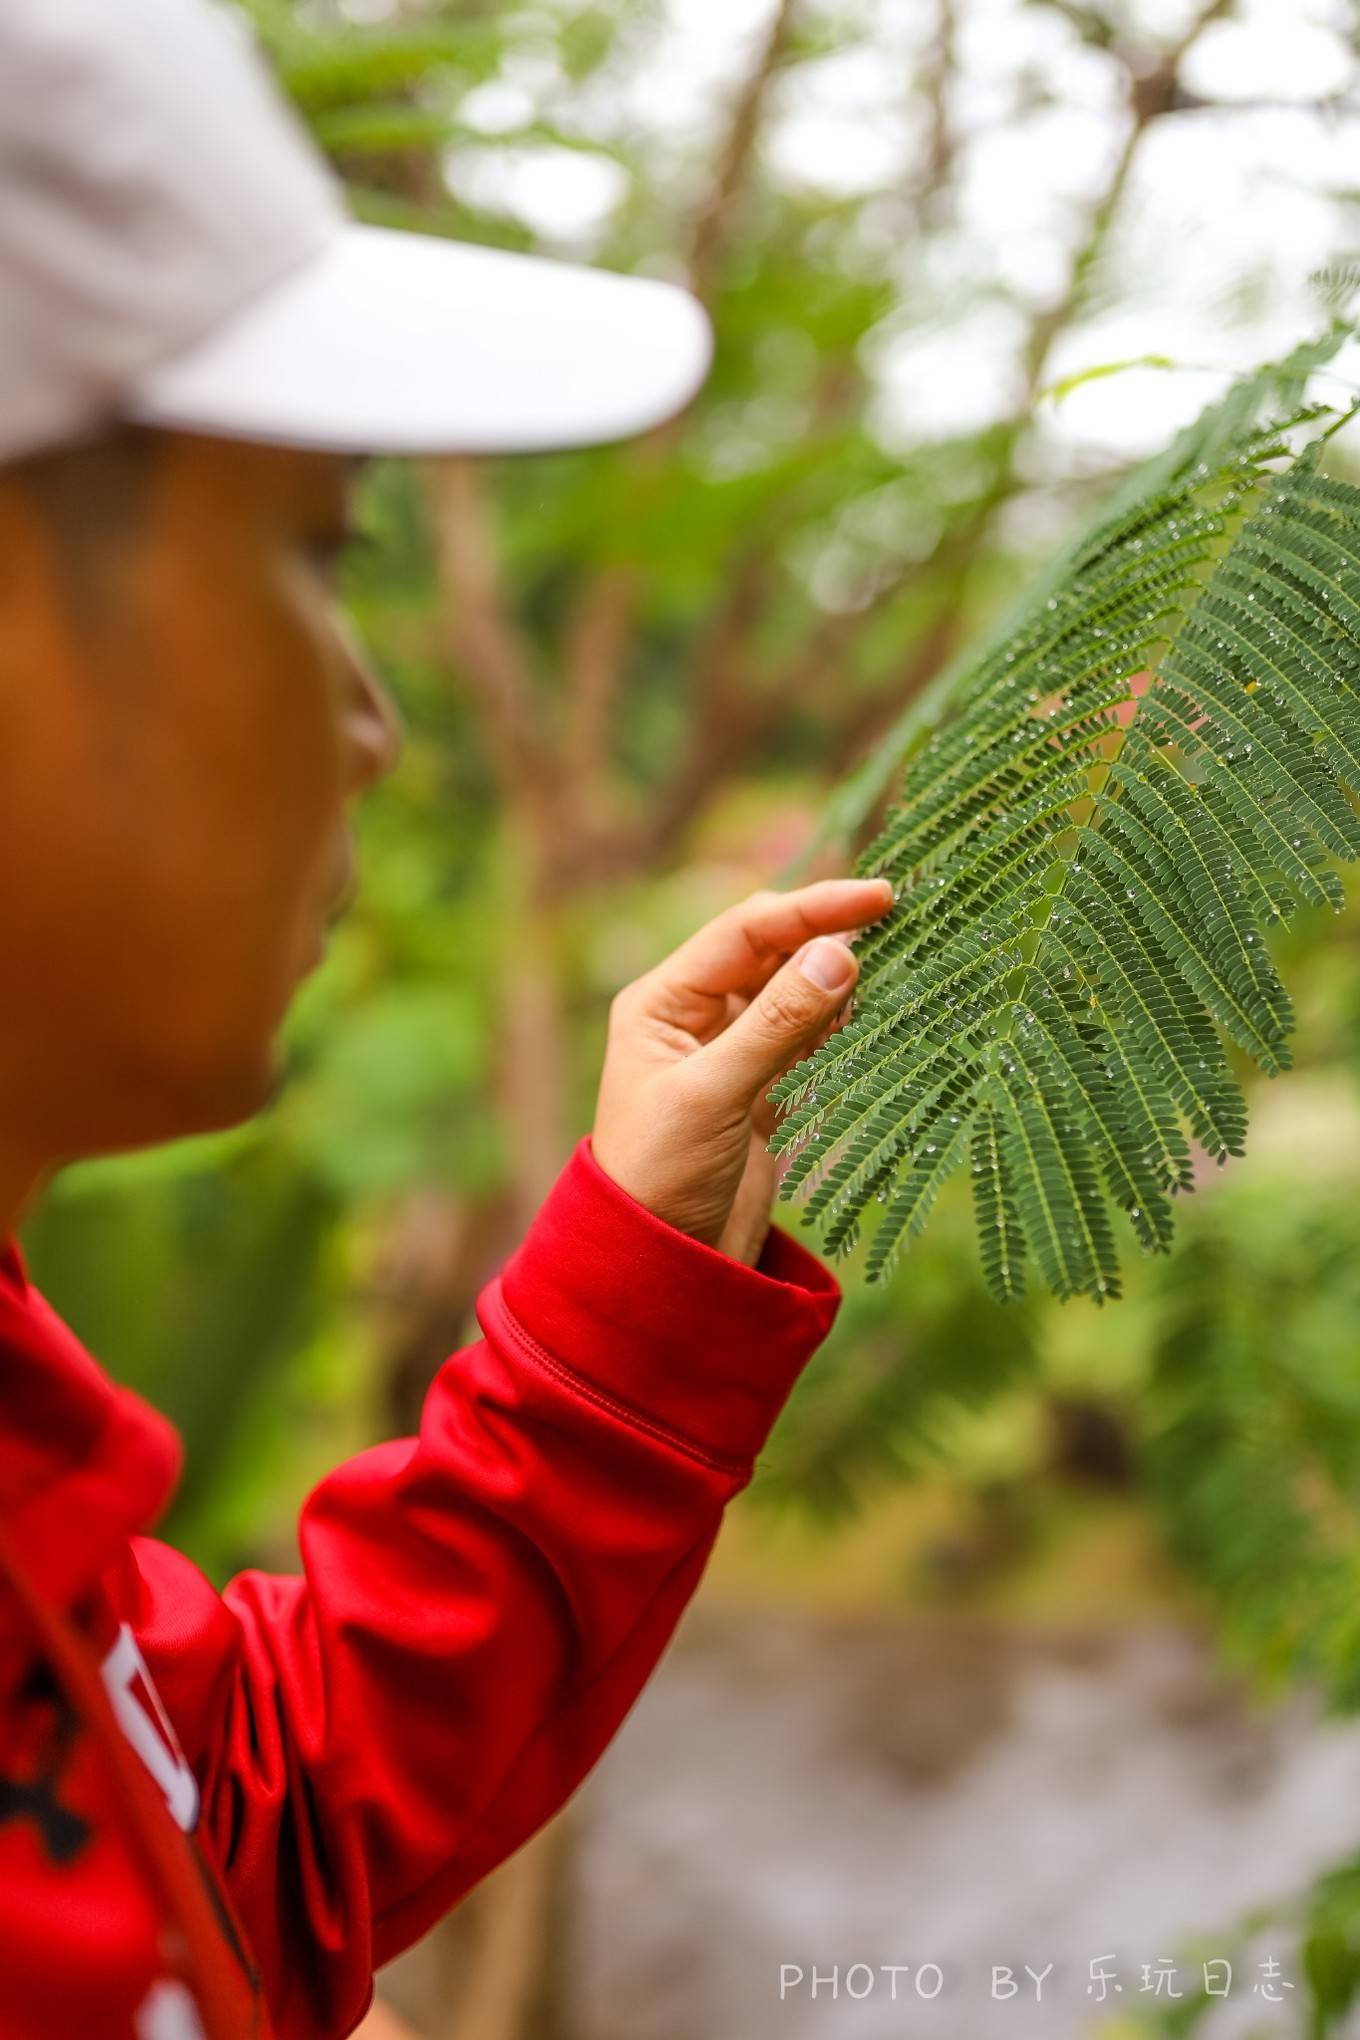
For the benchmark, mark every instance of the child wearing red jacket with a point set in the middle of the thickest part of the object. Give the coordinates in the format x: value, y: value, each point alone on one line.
x: 218, y: 1812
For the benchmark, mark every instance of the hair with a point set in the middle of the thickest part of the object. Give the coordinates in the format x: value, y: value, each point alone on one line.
x: 93, y: 494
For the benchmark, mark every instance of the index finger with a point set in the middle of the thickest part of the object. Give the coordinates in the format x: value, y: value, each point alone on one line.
x: 742, y: 947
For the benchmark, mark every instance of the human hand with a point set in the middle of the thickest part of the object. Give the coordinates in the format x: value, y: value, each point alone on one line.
x: 682, y: 1118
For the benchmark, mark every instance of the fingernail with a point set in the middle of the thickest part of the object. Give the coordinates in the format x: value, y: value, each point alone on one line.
x: 827, y: 962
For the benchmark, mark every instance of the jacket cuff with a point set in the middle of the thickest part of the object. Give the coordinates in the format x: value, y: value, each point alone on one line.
x: 681, y: 1335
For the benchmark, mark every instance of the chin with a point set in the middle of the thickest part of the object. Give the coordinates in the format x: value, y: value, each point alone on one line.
x: 238, y: 1092
x: 174, y: 1100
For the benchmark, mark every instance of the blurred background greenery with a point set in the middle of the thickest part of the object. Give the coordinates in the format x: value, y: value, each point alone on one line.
x: 631, y: 679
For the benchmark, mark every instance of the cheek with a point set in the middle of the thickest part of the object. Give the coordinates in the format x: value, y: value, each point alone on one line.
x: 239, y: 750
x: 171, y: 799
x: 185, y: 842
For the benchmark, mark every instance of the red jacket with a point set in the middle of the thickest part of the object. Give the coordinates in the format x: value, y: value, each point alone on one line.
x: 271, y: 1790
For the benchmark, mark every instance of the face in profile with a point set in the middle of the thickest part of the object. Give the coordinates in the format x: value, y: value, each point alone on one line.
x: 185, y: 721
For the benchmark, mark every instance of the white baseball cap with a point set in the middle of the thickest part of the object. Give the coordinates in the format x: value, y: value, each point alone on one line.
x: 173, y: 250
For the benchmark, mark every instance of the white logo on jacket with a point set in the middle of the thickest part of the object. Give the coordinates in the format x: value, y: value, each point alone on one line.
x: 148, y: 1729
x: 168, y: 2012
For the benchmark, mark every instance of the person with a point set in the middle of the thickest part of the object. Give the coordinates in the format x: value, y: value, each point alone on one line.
x: 220, y: 1811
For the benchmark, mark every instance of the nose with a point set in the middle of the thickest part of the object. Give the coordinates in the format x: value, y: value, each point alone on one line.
x: 372, y: 725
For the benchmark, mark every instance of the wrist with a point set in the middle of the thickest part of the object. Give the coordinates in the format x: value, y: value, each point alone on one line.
x: 699, y: 1210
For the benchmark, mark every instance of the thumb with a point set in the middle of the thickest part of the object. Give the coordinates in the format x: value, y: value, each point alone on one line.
x: 783, y: 1019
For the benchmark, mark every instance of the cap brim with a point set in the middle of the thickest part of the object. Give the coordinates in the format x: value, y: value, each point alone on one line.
x: 391, y: 342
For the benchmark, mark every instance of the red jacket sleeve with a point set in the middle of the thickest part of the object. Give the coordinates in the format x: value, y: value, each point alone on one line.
x: 479, y: 1605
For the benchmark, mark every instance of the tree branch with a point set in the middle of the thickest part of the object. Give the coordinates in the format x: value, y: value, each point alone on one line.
x: 594, y: 653
x: 711, y: 222
x: 477, y: 629
x: 1152, y: 95
x: 601, y: 629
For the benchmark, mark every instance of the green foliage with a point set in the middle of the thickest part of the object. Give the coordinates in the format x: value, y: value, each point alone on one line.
x: 1250, y: 1427
x: 120, y: 1246
x: 1324, y: 1922
x: 1331, y: 1947
x: 1147, y: 772
x: 336, y: 67
x: 879, y: 1405
x: 1065, y: 384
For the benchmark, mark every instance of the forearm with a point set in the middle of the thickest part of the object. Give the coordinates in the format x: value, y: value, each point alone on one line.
x: 479, y: 1605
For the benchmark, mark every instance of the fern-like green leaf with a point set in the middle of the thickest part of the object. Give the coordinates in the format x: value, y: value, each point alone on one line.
x: 1147, y: 772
